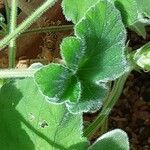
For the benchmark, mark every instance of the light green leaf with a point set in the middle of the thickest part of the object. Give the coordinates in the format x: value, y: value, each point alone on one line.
x: 91, y: 99
x: 104, y: 35
x: 58, y: 83
x: 144, y: 6
x: 142, y: 57
x: 74, y: 10
x: 29, y: 122
x: 113, y: 140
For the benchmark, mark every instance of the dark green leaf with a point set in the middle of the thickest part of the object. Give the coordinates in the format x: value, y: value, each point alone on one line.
x: 91, y: 99
x: 58, y: 83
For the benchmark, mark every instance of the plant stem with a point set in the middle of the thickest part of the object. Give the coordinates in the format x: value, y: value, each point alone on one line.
x: 3, y: 26
x: 110, y: 102
x: 7, y: 11
x: 13, y: 23
x: 27, y: 23
x: 50, y: 29
x: 16, y: 73
x: 104, y: 127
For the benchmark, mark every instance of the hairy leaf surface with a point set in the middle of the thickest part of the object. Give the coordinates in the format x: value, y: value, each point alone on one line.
x: 58, y: 83
x: 96, y: 54
x: 144, y: 6
x: 131, y: 11
x: 91, y: 100
x: 29, y: 122
x: 113, y: 140
x: 74, y: 10
x: 104, y: 35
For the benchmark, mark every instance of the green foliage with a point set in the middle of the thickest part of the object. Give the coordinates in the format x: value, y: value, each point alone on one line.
x: 74, y: 10
x: 88, y: 57
x: 29, y: 122
x: 113, y: 140
x: 132, y: 14
x: 144, y: 6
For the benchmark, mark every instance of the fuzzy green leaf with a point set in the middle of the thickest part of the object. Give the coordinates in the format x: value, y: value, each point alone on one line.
x: 29, y: 122
x: 58, y: 83
x: 72, y: 50
x: 91, y: 100
x: 98, y: 46
x: 104, y: 35
x: 132, y: 15
x: 144, y: 6
x: 113, y: 140
x: 128, y: 10
x: 74, y: 10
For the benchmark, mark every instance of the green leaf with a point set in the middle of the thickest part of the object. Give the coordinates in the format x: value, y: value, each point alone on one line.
x: 29, y: 122
x: 74, y: 10
x: 89, y: 57
x: 58, y: 83
x: 132, y: 15
x: 91, y: 100
x: 144, y: 6
x: 104, y: 35
x: 129, y: 10
x: 113, y: 140
x: 72, y: 51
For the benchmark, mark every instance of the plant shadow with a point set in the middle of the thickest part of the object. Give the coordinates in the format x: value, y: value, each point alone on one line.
x: 12, y: 135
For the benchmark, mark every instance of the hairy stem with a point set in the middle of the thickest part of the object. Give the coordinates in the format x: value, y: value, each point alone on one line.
x: 16, y: 73
x: 7, y: 11
x: 27, y: 23
x: 50, y: 29
x: 110, y: 102
x: 13, y: 23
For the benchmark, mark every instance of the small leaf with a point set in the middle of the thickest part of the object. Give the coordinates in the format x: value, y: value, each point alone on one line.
x: 129, y: 11
x: 113, y: 140
x: 91, y: 99
x: 58, y: 83
x: 74, y: 10
x: 72, y: 51
x: 29, y: 122
x: 144, y: 6
x: 132, y: 15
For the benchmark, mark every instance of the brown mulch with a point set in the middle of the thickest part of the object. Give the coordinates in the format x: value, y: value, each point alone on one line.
x: 132, y: 112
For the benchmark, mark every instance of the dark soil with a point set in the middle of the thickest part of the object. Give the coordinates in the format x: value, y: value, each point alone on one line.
x: 131, y: 113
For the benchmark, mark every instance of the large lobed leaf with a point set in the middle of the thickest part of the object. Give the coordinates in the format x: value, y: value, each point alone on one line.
x: 29, y: 122
x: 95, y: 54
